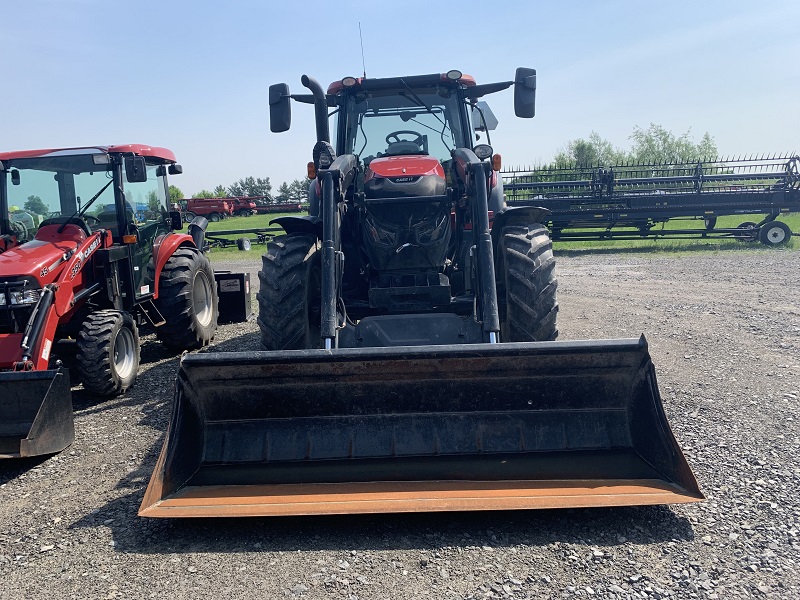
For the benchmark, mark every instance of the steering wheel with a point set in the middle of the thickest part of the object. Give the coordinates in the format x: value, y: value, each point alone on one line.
x: 394, y: 137
x: 91, y: 220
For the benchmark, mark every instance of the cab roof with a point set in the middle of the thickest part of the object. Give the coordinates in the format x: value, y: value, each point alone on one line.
x: 165, y: 155
x: 386, y: 83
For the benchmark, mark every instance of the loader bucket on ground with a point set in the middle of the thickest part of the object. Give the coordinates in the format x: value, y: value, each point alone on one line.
x: 35, y: 413
x: 408, y: 429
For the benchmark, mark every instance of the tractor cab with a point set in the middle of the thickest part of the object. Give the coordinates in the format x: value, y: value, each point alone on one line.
x: 78, y: 191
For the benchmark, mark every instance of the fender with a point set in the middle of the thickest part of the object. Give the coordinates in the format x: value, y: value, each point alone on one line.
x: 305, y: 224
x: 163, y: 249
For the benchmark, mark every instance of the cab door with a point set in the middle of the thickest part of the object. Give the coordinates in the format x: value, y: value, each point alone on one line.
x: 148, y: 217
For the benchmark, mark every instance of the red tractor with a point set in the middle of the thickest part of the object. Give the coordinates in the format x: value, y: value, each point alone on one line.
x: 74, y: 292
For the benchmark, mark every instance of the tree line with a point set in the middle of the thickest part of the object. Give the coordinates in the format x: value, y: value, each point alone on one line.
x: 652, y: 146
x: 296, y: 191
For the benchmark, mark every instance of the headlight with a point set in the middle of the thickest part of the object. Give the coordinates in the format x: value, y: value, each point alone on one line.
x: 21, y: 297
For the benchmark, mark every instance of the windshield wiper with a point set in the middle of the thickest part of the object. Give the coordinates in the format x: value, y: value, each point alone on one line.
x: 80, y: 212
x: 420, y: 102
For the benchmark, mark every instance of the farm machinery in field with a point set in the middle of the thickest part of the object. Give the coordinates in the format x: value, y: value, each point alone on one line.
x: 74, y: 291
x: 408, y: 323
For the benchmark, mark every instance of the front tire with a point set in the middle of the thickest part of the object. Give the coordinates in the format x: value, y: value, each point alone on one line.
x: 290, y: 293
x: 526, y: 287
x: 108, y: 352
x: 187, y: 299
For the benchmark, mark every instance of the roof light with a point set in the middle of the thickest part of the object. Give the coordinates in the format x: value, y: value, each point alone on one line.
x: 454, y: 75
x: 100, y: 159
x: 349, y: 81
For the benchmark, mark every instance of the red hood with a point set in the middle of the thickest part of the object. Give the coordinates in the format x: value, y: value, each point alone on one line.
x: 398, y: 166
x: 38, y: 259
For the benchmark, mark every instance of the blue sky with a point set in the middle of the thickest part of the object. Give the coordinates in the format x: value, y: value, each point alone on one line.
x: 193, y: 76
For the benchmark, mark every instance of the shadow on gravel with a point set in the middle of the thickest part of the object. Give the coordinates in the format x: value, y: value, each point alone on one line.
x: 12, y: 468
x: 601, y: 527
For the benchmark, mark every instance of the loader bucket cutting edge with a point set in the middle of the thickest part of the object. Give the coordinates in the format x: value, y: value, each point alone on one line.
x: 427, y: 428
x: 35, y: 413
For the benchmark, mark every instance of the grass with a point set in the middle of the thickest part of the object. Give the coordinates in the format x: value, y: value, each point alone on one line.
x: 564, y: 248
x: 252, y: 222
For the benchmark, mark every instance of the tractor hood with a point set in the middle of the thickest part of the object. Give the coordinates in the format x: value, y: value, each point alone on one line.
x: 404, y: 166
x: 404, y: 176
x: 41, y: 260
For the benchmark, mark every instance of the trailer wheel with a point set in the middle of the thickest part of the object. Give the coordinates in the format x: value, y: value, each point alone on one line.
x: 526, y: 287
x: 243, y: 244
x: 108, y: 352
x: 214, y: 217
x: 290, y: 293
x: 749, y: 232
x: 188, y: 216
x: 774, y: 233
x: 187, y: 299
x: 710, y: 223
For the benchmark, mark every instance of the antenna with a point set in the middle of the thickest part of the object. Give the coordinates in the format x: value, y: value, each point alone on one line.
x: 360, y: 37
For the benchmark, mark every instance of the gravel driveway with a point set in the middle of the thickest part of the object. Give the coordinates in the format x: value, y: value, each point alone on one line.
x: 724, y: 333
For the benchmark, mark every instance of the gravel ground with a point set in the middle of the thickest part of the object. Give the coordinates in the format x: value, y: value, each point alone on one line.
x: 724, y: 332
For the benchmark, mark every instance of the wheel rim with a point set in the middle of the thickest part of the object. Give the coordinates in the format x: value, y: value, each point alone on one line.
x: 202, y: 299
x: 124, y: 351
x: 776, y: 235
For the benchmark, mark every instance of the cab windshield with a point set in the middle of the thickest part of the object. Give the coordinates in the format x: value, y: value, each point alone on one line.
x: 61, y: 185
x: 425, y: 122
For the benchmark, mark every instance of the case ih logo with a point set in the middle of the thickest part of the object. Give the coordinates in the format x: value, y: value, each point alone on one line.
x: 403, y: 179
x: 82, y: 256
x: 44, y: 271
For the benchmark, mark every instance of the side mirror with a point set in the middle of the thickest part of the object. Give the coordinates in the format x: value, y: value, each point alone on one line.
x: 175, y: 169
x: 525, y: 93
x: 14, y: 177
x: 280, y: 109
x: 135, y: 169
x: 176, y: 221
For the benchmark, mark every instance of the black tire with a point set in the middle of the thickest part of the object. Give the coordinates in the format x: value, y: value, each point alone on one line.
x: 289, y: 294
x: 187, y: 299
x: 526, y: 285
x: 214, y: 217
x: 244, y: 213
x: 710, y: 223
x: 188, y: 216
x: 774, y: 233
x: 108, y: 352
x: 243, y: 244
x: 749, y: 232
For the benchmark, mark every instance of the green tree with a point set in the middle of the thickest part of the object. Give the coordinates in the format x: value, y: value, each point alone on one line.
x: 220, y: 191
x: 175, y: 194
x: 203, y: 194
x: 152, y: 201
x: 251, y: 186
x: 283, y: 193
x: 298, y: 190
x: 34, y: 204
x: 588, y: 153
x: 656, y: 145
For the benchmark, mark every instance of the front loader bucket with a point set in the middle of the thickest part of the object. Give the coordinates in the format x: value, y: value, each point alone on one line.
x: 409, y: 429
x: 35, y: 413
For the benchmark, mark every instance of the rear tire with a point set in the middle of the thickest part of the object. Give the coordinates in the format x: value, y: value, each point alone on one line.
x: 213, y: 217
x: 108, y: 352
x: 188, y: 216
x: 289, y: 294
x: 187, y: 299
x: 526, y: 288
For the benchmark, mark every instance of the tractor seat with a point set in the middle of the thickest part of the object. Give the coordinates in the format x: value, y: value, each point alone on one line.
x: 403, y: 147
